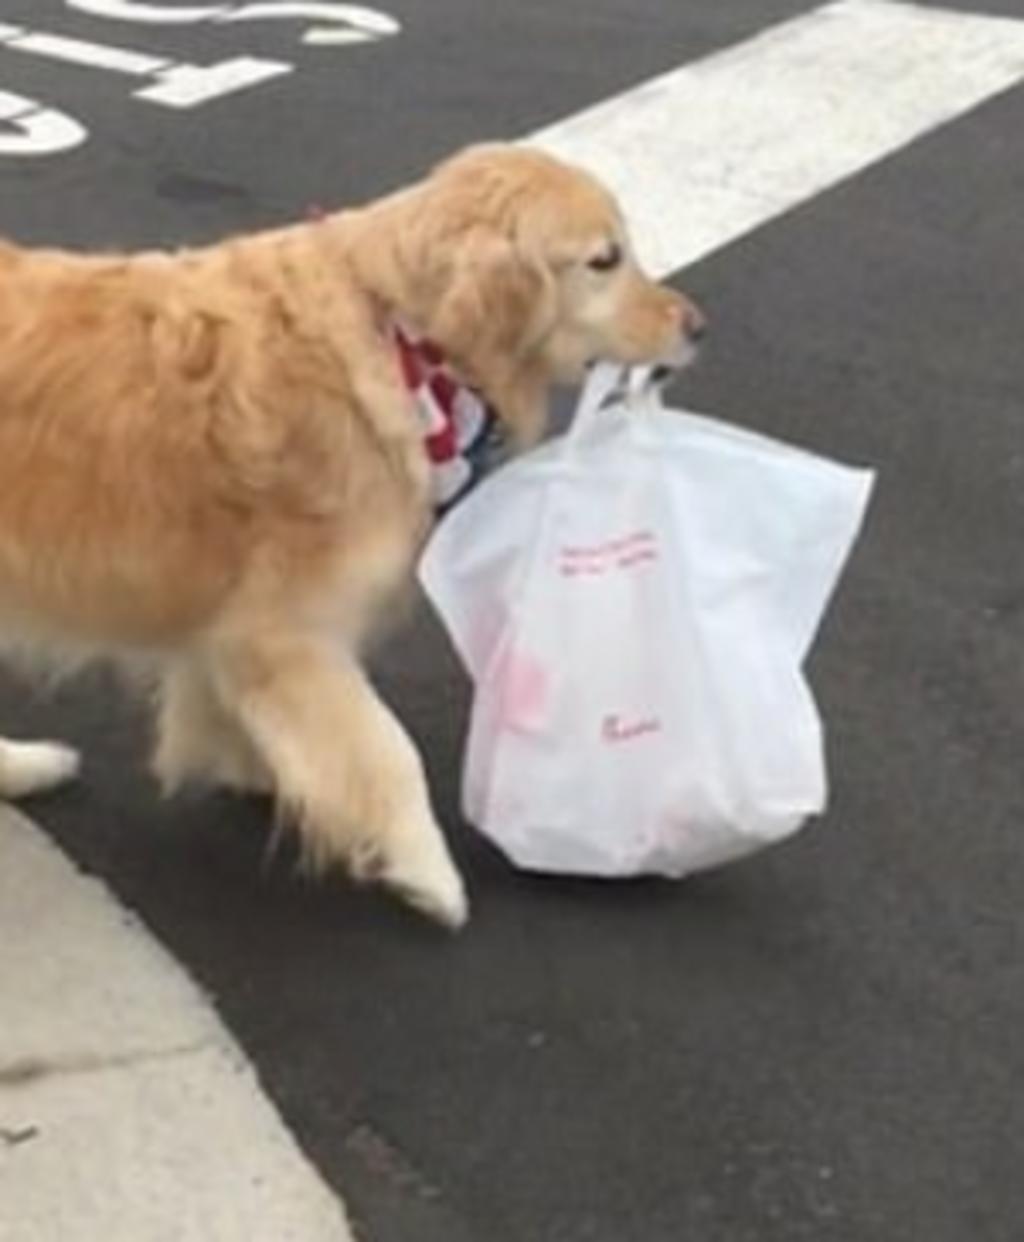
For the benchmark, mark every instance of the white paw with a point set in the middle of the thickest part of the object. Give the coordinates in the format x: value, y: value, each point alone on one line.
x: 30, y: 767
x: 422, y: 873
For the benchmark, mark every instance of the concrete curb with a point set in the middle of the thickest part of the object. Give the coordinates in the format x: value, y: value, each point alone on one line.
x: 127, y: 1112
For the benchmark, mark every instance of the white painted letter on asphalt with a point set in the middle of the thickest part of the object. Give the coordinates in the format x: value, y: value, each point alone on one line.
x: 188, y: 86
x: 27, y: 128
x: 175, y: 86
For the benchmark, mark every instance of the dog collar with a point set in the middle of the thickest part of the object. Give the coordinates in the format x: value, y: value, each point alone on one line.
x: 461, y: 432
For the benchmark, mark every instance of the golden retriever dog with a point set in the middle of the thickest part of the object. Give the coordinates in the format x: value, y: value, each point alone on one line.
x: 210, y: 458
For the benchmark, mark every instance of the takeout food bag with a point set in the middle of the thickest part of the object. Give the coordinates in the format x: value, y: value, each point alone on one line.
x: 634, y: 602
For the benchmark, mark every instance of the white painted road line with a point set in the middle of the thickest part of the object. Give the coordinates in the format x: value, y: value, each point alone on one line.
x: 173, y: 86
x: 710, y: 151
x: 127, y: 1112
x: 82, y: 52
x: 354, y: 23
x: 349, y: 23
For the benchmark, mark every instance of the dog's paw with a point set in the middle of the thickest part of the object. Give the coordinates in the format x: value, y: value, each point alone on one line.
x: 415, y: 865
x: 32, y: 767
x: 439, y: 893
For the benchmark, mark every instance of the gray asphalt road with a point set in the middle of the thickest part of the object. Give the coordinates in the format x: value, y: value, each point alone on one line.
x: 822, y: 1043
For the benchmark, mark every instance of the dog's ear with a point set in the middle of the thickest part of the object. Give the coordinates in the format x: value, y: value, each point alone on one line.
x: 494, y: 308
x: 496, y: 300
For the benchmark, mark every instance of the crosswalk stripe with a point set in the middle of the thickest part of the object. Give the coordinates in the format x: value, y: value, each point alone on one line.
x: 707, y: 152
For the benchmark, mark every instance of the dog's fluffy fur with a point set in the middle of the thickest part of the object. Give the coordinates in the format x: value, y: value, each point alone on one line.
x: 210, y: 457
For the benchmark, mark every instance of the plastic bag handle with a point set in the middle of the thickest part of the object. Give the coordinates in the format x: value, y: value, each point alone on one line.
x: 636, y: 386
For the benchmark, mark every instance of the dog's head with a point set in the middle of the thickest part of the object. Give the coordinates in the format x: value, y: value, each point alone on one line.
x: 520, y: 266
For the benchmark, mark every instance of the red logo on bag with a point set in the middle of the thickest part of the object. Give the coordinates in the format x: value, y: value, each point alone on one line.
x: 614, y: 729
x: 639, y: 547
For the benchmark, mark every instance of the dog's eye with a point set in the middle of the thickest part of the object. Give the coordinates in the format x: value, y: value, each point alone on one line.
x: 608, y: 260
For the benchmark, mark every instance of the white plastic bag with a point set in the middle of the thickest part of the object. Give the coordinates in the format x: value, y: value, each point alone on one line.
x: 634, y: 602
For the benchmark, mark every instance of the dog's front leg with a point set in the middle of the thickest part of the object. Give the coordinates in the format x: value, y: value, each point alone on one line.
x: 198, y: 739
x: 342, y: 765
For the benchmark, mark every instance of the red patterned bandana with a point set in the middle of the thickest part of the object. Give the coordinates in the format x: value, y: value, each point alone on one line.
x: 460, y: 430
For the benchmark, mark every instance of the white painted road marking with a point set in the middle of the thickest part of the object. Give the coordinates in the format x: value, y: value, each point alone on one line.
x: 81, y: 52
x: 710, y: 151
x: 348, y: 23
x: 174, y: 86
x: 29, y: 128
x: 127, y: 1112
x: 45, y: 131
x: 353, y: 22
x: 137, y: 11
x: 189, y: 86
x: 700, y: 155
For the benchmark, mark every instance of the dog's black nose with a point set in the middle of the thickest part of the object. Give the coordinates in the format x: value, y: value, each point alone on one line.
x: 696, y: 329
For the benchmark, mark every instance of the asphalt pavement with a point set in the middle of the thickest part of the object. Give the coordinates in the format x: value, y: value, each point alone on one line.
x: 820, y: 1043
